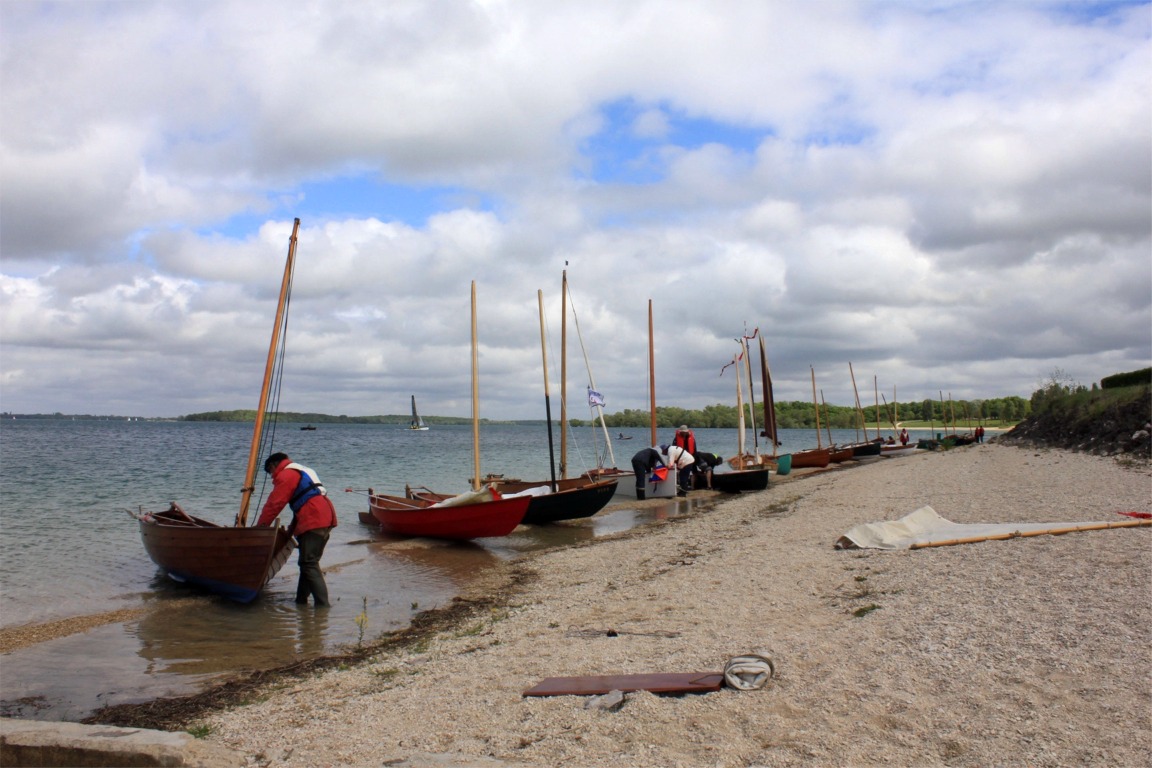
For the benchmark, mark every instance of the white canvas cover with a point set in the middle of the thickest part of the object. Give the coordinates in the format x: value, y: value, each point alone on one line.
x: 472, y: 497
x: 925, y: 528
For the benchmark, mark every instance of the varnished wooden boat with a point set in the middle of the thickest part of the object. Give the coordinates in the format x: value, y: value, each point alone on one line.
x: 838, y: 454
x: 813, y: 457
x: 433, y: 515
x: 235, y: 561
x: 230, y: 561
x: 569, y: 499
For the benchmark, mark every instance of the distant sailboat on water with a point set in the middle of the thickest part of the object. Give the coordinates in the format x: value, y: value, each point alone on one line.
x: 417, y: 422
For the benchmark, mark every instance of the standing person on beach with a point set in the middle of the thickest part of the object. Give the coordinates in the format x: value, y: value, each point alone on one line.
x: 313, y: 518
x: 685, y: 439
x: 903, y: 437
x: 643, y: 463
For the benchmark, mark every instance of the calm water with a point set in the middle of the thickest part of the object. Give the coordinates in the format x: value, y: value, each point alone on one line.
x: 70, y: 548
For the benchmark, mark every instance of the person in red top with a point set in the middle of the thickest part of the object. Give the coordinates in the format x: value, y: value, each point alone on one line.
x: 685, y: 439
x: 313, y: 518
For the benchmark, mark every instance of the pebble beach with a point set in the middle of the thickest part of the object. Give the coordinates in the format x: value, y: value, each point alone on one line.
x: 1027, y: 652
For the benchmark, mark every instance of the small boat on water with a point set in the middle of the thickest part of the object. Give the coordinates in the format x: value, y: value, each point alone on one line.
x: 308, y: 428
x: 420, y: 512
x: 566, y: 499
x: 417, y: 424
x: 235, y: 561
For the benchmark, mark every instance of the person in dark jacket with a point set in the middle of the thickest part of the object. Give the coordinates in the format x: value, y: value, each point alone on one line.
x: 313, y: 518
x: 643, y: 463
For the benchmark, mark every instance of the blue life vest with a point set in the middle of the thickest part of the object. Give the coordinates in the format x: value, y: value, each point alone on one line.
x: 308, y: 486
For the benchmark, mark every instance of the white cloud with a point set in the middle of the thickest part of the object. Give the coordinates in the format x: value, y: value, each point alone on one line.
x: 955, y: 195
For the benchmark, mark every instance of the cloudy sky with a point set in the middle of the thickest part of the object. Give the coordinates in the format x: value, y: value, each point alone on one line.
x: 951, y: 196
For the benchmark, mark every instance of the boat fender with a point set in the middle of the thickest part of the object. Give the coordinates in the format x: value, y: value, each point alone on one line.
x: 749, y: 672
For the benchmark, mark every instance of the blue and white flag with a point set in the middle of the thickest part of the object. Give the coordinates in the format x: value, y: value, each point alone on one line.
x: 595, y: 398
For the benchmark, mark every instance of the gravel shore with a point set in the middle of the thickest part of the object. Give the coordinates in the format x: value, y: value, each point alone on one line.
x: 1033, y: 651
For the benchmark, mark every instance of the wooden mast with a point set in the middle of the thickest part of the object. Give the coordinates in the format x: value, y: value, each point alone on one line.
x: 751, y: 396
x: 652, y: 374
x: 876, y: 390
x: 475, y: 400
x: 827, y: 420
x: 547, y: 401
x: 859, y: 409
x: 269, y: 366
x: 819, y: 443
x: 740, y: 439
x: 563, y: 375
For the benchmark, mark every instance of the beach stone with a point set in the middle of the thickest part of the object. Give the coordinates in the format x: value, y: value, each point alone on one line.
x: 43, y: 743
x: 609, y: 702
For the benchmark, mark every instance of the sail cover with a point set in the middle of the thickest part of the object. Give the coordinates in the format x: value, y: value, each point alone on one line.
x: 925, y: 528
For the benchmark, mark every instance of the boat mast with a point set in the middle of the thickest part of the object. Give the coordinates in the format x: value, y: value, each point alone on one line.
x: 547, y: 402
x: 827, y: 420
x: 876, y: 390
x: 859, y: 409
x: 740, y: 437
x: 819, y: 443
x: 475, y: 400
x: 563, y: 376
x: 599, y: 409
x: 253, y: 451
x: 751, y: 394
x: 652, y: 375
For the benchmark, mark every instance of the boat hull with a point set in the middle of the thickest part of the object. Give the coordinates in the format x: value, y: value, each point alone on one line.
x: 418, y: 517
x: 574, y: 498
x: 754, y: 479
x: 838, y: 455
x: 813, y: 458
x: 865, y: 450
x: 227, y: 560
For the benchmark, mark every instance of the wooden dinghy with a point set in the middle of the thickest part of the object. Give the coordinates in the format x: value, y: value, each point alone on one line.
x: 230, y: 561
x: 235, y: 561
x: 476, y: 515
x: 813, y: 457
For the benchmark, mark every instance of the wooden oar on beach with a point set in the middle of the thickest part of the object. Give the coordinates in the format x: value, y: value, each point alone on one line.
x: 1022, y: 534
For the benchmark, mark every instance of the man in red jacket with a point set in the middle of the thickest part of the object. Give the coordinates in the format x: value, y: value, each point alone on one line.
x: 313, y: 518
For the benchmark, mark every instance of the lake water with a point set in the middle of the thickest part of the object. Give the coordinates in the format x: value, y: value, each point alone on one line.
x: 71, y: 549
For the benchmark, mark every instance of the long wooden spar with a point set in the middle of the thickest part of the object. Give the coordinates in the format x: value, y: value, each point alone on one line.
x: 269, y: 367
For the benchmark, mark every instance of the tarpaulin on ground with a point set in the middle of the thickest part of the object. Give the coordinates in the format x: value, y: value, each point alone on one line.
x: 925, y: 528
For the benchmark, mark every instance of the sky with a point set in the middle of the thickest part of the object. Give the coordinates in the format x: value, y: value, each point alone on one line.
x: 943, y: 198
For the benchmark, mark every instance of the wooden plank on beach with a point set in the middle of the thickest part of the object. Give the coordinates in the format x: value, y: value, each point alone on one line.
x: 654, y: 682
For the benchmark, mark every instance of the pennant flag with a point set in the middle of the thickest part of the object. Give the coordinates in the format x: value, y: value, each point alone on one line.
x: 595, y: 398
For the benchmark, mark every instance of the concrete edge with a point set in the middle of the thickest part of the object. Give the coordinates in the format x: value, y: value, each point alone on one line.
x: 42, y: 743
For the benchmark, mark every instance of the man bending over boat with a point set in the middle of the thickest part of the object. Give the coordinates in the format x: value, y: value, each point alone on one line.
x: 313, y: 518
